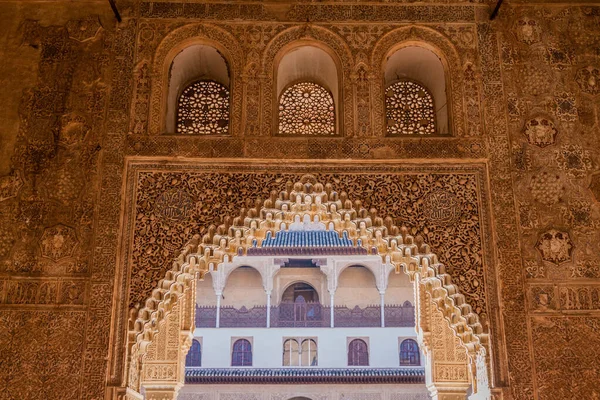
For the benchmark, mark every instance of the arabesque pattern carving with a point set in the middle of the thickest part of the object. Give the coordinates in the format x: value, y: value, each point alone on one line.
x: 443, y: 208
x: 79, y: 96
x: 305, y: 199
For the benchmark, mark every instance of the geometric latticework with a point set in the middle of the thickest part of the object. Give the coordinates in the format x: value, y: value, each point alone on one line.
x: 409, y: 353
x: 409, y: 109
x: 358, y: 353
x: 203, y: 109
x: 194, y: 355
x: 306, y: 109
x: 242, y: 354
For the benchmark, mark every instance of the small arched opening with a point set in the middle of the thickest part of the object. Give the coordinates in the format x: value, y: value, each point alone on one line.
x: 357, y: 288
x: 299, y: 306
x: 307, y: 92
x: 416, y: 100
x: 198, y: 100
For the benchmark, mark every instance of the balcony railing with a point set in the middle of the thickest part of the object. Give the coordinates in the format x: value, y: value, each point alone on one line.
x: 297, y: 315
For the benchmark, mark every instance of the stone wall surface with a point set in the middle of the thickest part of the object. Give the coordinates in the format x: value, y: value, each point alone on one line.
x: 95, y: 200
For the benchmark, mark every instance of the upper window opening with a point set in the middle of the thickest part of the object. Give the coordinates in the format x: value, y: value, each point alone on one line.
x: 300, y: 293
x: 409, y: 353
x: 415, y: 95
x: 194, y: 356
x: 306, y: 109
x: 307, y: 93
x: 198, y: 99
x: 300, y: 355
x: 203, y: 109
x: 358, y: 353
x: 242, y: 354
x: 409, y: 109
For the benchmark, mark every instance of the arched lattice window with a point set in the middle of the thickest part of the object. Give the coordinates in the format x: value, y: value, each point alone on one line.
x: 194, y: 356
x: 409, y: 353
x: 203, y: 109
x: 306, y: 109
x: 358, y: 353
x: 409, y: 109
x: 242, y: 354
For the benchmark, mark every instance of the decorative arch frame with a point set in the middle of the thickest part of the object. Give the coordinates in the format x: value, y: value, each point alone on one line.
x: 307, y: 35
x: 442, y: 47
x: 167, y: 50
x: 161, y: 332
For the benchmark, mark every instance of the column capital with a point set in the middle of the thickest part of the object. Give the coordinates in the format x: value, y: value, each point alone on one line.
x: 166, y: 392
x: 449, y: 391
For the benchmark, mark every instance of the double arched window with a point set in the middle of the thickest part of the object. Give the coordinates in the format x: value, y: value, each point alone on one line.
x: 358, y: 353
x: 296, y: 355
x: 241, y: 356
x: 194, y: 356
x: 409, y: 353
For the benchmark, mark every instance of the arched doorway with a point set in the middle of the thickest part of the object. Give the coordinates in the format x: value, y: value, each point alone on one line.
x: 455, y: 346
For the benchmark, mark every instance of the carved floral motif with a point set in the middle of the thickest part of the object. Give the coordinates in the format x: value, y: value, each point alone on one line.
x: 528, y: 30
x: 555, y: 246
x: 540, y: 132
x: 574, y: 160
x: 588, y: 79
x: 10, y: 185
x: 83, y: 29
x: 58, y: 242
x: 564, y: 107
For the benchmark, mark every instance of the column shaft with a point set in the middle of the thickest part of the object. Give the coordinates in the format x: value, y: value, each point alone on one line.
x: 218, y: 310
x: 332, y: 307
x: 382, y: 310
x: 268, y: 309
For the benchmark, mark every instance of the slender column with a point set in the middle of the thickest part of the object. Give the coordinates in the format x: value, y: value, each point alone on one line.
x: 268, y: 308
x: 382, y: 294
x: 332, y: 308
x: 218, y: 309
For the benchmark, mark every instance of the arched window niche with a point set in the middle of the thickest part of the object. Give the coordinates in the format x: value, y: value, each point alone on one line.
x: 308, y: 100
x: 198, y: 98
x: 415, y: 86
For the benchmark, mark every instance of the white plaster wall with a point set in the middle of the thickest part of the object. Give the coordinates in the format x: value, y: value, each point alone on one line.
x: 399, y: 290
x: 244, y: 288
x: 267, y: 349
x: 312, y: 392
x: 356, y: 287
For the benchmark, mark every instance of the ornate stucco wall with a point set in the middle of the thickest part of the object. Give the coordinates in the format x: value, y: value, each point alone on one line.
x: 95, y: 202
